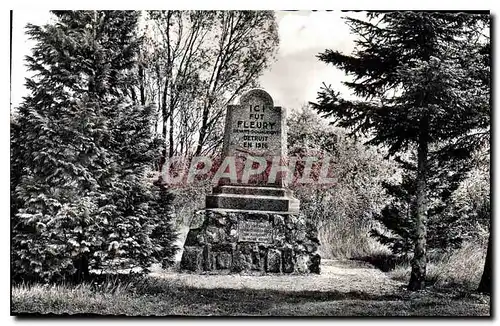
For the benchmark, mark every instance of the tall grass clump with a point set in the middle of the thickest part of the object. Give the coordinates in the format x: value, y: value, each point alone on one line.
x: 70, y: 298
x: 459, y: 268
x: 343, y: 229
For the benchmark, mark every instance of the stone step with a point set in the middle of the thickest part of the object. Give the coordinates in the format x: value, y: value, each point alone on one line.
x: 248, y: 211
x: 252, y: 202
x: 251, y: 190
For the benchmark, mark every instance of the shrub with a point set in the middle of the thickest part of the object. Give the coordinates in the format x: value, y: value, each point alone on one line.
x: 342, y: 211
x: 81, y: 156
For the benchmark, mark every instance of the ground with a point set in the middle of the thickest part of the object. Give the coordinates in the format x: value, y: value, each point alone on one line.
x: 344, y: 288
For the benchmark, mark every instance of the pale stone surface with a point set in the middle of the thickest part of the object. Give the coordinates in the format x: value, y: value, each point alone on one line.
x: 283, y: 204
x: 192, y: 258
x: 288, y: 266
x: 255, y: 231
x: 302, y: 263
x: 223, y: 260
x: 255, y: 131
x: 273, y: 261
x: 255, y: 127
x: 198, y: 220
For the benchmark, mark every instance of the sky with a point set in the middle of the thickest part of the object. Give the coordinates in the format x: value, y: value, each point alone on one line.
x: 293, y: 79
x: 297, y: 74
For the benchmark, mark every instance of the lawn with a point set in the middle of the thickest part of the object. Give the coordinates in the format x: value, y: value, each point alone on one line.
x: 343, y: 289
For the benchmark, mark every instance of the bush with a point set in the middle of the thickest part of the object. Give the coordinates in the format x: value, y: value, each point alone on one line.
x: 81, y: 155
x: 122, y: 225
x: 342, y: 211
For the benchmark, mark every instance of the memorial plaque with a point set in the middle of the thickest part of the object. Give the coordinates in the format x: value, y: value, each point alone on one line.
x: 255, y: 231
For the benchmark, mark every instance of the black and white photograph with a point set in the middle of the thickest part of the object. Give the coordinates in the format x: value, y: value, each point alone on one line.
x: 250, y: 163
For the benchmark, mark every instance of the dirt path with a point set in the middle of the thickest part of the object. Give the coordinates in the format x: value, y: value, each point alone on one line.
x: 344, y: 288
x: 341, y: 276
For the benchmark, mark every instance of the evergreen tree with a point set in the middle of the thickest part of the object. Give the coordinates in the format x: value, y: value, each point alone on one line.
x: 421, y: 77
x: 81, y: 152
x: 443, y: 229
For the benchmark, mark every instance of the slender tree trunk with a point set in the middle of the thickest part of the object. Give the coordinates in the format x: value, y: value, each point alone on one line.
x: 142, y: 91
x: 171, y: 134
x: 203, y: 131
x: 485, y: 284
x: 419, y: 262
x: 182, y: 140
x: 199, y: 146
x: 163, y: 158
x: 133, y: 95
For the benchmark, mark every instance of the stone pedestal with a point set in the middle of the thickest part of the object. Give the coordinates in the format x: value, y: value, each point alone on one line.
x: 253, y: 198
x: 238, y: 241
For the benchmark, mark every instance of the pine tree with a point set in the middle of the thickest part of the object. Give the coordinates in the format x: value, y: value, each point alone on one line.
x: 421, y: 76
x: 397, y: 216
x: 81, y: 154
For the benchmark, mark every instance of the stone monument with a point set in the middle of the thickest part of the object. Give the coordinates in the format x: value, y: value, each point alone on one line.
x: 255, y: 130
x: 252, y: 222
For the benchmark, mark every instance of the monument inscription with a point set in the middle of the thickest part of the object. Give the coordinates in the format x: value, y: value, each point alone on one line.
x: 255, y: 231
x: 254, y: 127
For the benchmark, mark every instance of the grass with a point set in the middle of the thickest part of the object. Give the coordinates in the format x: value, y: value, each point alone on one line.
x: 349, y: 290
x: 350, y: 239
x: 69, y: 298
x: 352, y: 289
x: 459, y: 268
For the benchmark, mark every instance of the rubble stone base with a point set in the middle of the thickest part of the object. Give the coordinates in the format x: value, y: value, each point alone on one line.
x: 215, y: 244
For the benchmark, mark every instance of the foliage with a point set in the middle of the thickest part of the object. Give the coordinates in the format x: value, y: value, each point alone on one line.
x: 194, y: 63
x: 82, y: 154
x: 342, y: 211
x: 424, y: 81
x: 458, y: 210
